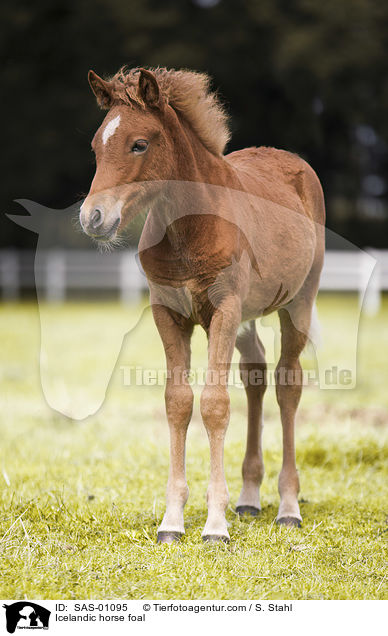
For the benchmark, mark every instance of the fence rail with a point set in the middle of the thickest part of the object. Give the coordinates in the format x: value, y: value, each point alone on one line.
x: 59, y: 273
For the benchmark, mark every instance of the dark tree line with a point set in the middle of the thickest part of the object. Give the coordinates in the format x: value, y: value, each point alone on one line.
x: 307, y: 76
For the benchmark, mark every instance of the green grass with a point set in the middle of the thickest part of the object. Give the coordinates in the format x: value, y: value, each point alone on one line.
x: 81, y: 501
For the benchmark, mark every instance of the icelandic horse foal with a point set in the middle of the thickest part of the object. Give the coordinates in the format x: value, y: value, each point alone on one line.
x: 227, y: 238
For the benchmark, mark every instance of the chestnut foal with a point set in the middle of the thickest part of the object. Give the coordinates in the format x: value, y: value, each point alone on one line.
x: 227, y: 239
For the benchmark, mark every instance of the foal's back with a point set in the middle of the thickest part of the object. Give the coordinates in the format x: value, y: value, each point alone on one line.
x: 281, y: 177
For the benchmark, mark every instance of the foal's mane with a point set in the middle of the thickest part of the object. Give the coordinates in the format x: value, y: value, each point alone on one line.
x: 188, y: 93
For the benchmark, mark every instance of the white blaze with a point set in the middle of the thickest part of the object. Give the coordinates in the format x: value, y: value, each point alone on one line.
x: 110, y: 129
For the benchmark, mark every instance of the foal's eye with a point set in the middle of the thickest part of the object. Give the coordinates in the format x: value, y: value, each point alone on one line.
x: 140, y: 146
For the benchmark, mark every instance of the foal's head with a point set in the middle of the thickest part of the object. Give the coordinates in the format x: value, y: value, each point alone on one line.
x: 131, y: 146
x: 142, y: 141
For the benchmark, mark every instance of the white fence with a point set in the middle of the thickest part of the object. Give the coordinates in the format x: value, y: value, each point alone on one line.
x: 59, y: 273
x: 55, y: 273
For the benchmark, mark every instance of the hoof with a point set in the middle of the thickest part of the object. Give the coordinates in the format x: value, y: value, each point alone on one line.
x: 289, y: 522
x: 168, y: 536
x: 248, y: 510
x: 215, y: 538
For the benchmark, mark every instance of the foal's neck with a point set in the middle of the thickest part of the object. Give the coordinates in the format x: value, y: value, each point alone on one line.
x: 196, y: 163
x: 197, y: 188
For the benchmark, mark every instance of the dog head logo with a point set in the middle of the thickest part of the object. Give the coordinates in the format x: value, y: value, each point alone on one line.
x: 26, y: 615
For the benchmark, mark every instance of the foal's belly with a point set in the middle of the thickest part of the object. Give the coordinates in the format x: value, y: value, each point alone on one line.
x: 285, y: 253
x: 279, y: 281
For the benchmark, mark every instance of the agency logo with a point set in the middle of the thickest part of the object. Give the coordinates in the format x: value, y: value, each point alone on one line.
x: 26, y: 615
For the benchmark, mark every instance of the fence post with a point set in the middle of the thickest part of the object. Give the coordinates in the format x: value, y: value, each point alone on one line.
x: 55, y: 276
x: 130, y: 277
x: 370, y: 282
x: 10, y: 270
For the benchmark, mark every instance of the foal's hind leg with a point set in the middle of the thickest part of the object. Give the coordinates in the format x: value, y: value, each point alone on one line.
x: 253, y: 375
x: 288, y: 392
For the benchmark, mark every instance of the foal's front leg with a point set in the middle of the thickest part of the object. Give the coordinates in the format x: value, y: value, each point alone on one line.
x: 179, y: 405
x: 215, y: 413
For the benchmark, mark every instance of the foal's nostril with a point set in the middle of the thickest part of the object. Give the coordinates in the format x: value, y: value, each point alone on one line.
x: 97, y: 218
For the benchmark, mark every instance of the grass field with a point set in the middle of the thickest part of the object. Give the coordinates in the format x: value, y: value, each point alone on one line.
x: 81, y: 500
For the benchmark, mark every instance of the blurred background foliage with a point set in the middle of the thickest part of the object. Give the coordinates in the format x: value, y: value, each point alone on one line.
x: 303, y: 75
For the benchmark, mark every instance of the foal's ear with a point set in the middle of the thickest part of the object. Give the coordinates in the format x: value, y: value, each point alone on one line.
x: 148, y: 89
x: 101, y: 89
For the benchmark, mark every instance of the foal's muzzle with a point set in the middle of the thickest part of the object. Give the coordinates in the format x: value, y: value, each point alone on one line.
x: 100, y: 221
